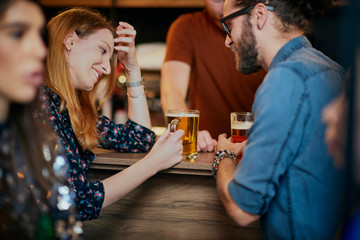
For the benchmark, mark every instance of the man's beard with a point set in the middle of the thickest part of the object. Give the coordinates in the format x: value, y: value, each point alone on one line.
x: 246, y: 54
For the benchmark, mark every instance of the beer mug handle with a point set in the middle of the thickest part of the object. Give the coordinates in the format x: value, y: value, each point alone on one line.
x: 173, y: 124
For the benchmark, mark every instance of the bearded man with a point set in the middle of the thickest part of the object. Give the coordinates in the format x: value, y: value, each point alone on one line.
x: 286, y: 177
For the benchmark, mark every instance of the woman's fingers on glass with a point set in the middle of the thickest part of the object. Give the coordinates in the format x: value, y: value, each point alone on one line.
x: 178, y: 134
x: 164, y: 135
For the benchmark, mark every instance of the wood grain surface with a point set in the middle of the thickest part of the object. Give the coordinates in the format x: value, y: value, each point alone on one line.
x: 167, y: 206
x: 118, y: 161
x: 179, y: 203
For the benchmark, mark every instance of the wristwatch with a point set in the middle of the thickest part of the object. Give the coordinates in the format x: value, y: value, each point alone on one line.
x: 219, y: 156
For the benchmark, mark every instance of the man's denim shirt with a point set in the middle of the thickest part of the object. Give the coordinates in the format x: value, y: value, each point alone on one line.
x: 286, y: 175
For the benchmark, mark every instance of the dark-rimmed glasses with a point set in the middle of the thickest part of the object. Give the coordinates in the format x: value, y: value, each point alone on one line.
x: 238, y: 13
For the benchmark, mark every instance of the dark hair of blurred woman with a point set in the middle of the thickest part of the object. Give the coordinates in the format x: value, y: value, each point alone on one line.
x: 35, y: 201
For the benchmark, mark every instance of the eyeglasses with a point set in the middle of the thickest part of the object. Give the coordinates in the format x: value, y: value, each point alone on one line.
x: 238, y: 13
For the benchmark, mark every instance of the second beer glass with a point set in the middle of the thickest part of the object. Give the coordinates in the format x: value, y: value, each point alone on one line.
x: 240, y: 125
x: 187, y: 120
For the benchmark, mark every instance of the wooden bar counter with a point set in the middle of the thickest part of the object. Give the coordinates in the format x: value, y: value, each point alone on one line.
x: 179, y: 203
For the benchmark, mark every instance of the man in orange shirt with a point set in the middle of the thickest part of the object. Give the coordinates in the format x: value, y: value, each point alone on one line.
x: 198, y: 66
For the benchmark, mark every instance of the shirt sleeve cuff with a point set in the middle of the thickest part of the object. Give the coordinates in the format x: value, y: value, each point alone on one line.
x: 89, y: 206
x: 246, y: 199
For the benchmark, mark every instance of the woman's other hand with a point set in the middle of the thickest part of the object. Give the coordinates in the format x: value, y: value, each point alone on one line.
x: 167, y: 150
x: 125, y: 46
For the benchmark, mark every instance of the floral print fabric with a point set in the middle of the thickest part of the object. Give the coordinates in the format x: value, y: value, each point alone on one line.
x: 128, y: 137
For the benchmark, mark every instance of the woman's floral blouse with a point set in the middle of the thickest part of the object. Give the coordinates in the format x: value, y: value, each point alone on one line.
x: 128, y: 137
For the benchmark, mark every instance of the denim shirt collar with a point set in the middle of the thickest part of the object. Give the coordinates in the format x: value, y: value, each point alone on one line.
x: 289, y: 48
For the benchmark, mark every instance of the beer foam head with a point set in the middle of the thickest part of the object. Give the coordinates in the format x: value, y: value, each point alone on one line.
x: 241, y: 125
x: 182, y: 114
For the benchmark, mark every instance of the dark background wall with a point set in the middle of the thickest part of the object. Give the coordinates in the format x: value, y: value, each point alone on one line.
x: 152, y: 25
x: 330, y: 34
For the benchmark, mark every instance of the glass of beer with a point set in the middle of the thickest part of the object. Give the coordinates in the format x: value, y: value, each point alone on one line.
x: 240, y: 125
x: 187, y: 120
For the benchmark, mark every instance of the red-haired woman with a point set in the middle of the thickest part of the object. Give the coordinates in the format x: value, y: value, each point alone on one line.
x: 81, y: 62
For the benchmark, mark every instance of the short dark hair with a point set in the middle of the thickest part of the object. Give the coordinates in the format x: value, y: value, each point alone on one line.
x: 299, y: 13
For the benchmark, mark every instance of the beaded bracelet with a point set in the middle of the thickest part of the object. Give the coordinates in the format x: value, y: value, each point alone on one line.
x: 219, y: 156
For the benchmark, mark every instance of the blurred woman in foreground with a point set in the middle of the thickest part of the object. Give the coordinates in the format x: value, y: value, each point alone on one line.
x: 35, y: 201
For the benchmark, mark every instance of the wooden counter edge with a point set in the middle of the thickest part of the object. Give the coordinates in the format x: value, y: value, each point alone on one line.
x: 109, y: 160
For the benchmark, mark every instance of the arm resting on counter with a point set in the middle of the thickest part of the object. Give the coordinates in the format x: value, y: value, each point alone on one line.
x: 166, y: 152
x: 225, y: 173
x: 127, y: 180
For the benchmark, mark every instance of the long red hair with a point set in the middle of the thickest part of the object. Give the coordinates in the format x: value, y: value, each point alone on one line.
x: 82, y: 106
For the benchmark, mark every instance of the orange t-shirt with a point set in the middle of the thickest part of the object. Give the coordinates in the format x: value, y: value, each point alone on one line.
x: 216, y: 88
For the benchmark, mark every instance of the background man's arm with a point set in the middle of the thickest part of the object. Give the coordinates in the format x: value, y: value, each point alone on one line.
x: 175, y: 77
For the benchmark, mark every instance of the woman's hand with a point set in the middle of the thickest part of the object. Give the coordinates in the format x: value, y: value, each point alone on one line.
x: 167, y: 150
x: 138, y: 109
x: 226, y: 144
x: 125, y: 46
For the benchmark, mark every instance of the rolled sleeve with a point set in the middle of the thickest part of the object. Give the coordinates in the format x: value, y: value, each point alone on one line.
x: 246, y: 199
x: 273, y: 140
x: 89, y: 196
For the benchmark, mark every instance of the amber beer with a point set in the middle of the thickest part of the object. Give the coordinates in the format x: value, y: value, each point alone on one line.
x: 187, y: 120
x: 241, y: 122
x: 239, y: 131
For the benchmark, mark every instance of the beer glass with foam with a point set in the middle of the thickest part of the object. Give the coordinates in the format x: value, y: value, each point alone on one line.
x: 240, y: 125
x: 187, y: 120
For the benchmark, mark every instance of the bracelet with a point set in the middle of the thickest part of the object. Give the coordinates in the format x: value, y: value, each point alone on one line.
x: 135, y: 84
x: 219, y: 156
x: 140, y: 96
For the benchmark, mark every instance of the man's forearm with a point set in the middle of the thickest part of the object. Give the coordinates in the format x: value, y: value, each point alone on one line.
x: 172, y: 100
x: 225, y: 174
